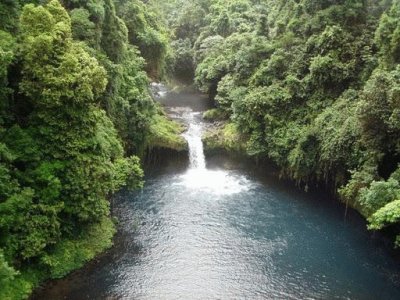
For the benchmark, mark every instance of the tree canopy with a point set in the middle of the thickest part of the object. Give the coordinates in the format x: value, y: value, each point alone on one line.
x: 311, y: 85
x: 75, y: 111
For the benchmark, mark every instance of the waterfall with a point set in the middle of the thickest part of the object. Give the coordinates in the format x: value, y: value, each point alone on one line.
x: 191, y: 119
x: 158, y: 90
x: 193, y: 137
x: 218, y: 182
x: 197, y: 177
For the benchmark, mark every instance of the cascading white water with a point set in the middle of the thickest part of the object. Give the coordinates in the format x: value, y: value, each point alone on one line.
x: 158, y: 90
x: 195, y: 129
x: 197, y: 177
x: 193, y: 137
x: 217, y: 234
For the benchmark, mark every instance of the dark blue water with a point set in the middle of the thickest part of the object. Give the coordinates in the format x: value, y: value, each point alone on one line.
x: 222, y: 231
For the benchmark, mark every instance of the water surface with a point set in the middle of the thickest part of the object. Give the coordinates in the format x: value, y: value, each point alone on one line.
x: 221, y: 231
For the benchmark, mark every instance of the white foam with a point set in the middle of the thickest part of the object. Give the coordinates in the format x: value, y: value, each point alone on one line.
x: 217, y: 182
x: 193, y: 137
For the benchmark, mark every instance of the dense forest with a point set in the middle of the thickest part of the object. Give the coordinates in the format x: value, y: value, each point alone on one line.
x: 313, y: 85
x: 75, y: 114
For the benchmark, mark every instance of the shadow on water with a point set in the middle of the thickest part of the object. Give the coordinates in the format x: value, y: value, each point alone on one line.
x: 227, y: 229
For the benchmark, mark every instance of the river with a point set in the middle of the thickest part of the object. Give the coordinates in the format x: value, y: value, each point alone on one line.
x: 220, y: 228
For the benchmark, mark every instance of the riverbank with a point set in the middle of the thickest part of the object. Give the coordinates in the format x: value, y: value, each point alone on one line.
x: 166, y: 134
x: 71, y: 254
x: 223, y: 135
x: 221, y: 227
x: 67, y: 256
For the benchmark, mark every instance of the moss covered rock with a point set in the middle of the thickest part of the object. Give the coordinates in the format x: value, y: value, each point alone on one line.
x: 224, y: 137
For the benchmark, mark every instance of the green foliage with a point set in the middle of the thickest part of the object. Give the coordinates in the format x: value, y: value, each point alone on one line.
x: 165, y: 133
x: 339, y: 133
x: 7, y: 273
x: 9, y: 11
x: 388, y: 36
x: 228, y: 93
x: 7, y: 45
x: 313, y: 85
x: 83, y: 28
x: 74, y: 109
x: 66, y: 256
x: 387, y: 215
x: 6, y: 54
x: 226, y: 137
x: 379, y: 110
x: 379, y: 194
x: 114, y: 36
x: 181, y: 62
x: 129, y: 104
x: 119, y: 33
x: 28, y: 227
x: 146, y: 32
x: 327, y: 70
x: 21, y: 286
x: 73, y: 253
x: 215, y: 114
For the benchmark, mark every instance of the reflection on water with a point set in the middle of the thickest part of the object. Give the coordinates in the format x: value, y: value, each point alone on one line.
x: 227, y: 234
